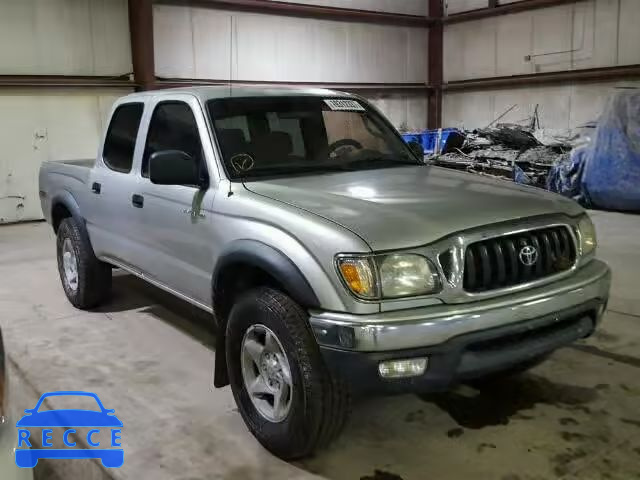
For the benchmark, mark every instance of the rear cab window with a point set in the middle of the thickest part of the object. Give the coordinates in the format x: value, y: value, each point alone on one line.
x: 120, y: 140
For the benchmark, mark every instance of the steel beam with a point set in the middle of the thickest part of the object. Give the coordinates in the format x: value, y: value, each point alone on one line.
x: 435, y: 65
x: 506, y: 9
x: 360, y: 87
x: 142, y: 52
x: 310, y: 11
x: 565, y: 76
x: 64, y: 81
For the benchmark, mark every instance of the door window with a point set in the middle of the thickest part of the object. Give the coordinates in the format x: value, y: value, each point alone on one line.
x: 120, y: 141
x: 172, y: 127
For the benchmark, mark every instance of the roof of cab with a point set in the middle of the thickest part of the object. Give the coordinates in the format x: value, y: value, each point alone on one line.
x: 205, y: 93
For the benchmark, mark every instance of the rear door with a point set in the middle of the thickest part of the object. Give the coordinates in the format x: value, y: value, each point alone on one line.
x: 111, y: 184
x: 175, y: 220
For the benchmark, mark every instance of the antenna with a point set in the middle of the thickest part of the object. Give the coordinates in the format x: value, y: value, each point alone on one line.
x: 230, y: 192
x: 231, y: 55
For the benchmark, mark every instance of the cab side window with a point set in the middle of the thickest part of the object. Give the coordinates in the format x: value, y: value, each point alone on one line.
x: 172, y: 127
x: 120, y: 141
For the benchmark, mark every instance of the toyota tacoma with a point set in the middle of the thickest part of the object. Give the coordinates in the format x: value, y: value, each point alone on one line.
x: 334, y: 262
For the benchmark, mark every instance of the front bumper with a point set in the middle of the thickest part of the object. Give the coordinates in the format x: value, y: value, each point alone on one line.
x: 464, y: 341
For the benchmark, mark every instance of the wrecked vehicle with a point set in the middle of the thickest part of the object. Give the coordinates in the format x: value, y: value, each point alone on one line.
x: 333, y: 260
x: 507, y: 151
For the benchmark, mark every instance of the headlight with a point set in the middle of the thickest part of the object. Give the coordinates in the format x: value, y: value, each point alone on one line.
x: 389, y: 276
x: 407, y: 275
x: 588, y: 242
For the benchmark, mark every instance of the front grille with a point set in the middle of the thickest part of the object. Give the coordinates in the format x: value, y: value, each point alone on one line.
x: 501, y: 262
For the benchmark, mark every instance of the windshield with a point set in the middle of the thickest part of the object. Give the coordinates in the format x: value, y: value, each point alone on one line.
x: 285, y: 136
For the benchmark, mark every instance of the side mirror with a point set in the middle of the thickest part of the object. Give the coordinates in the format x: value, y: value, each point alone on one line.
x: 417, y: 149
x: 175, y: 167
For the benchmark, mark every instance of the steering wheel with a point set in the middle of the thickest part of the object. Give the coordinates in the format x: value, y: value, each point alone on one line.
x: 343, y: 146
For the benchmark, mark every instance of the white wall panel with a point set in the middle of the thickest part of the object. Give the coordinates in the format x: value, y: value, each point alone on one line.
x: 45, y: 125
x: 403, y: 110
x: 198, y: 43
x: 213, y: 31
x: 329, y: 40
x: 629, y: 33
x: 559, y: 107
x: 407, y: 7
x: 552, y: 33
x: 173, y: 42
x: 467, y: 110
x: 64, y: 37
x: 572, y: 36
x: 514, y: 35
x: 469, y: 52
x: 110, y: 37
x: 457, y: 6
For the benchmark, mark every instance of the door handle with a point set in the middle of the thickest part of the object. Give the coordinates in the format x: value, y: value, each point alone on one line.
x: 137, y: 200
x: 95, y: 188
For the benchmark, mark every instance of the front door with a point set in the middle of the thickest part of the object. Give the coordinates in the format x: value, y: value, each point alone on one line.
x: 174, y: 220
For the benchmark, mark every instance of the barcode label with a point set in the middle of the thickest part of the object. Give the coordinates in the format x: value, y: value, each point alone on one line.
x: 346, y: 105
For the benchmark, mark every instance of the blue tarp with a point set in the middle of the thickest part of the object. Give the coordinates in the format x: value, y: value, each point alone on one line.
x: 520, y: 177
x: 606, y: 173
x: 565, y: 177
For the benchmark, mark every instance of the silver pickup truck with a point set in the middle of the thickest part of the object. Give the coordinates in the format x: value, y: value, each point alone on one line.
x: 334, y: 261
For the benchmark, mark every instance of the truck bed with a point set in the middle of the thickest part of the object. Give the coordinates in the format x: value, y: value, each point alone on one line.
x: 63, y: 176
x: 81, y: 162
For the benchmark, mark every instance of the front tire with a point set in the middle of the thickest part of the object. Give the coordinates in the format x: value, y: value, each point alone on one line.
x: 283, y: 390
x: 85, y: 279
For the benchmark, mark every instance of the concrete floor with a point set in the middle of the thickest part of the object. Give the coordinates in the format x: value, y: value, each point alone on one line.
x: 150, y: 357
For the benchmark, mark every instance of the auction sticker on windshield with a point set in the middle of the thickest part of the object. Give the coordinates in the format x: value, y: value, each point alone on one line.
x: 345, y: 105
x: 92, y: 431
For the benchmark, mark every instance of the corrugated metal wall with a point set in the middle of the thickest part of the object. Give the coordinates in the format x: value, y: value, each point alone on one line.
x: 40, y: 126
x: 91, y: 37
x: 54, y: 37
x: 594, y: 33
x: 407, y: 7
x: 559, y: 107
x: 215, y: 44
x: 65, y: 37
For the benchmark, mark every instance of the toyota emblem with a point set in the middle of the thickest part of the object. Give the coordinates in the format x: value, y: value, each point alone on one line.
x: 528, y: 255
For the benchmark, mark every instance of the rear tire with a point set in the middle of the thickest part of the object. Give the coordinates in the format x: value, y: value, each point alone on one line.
x: 319, y: 404
x: 85, y: 279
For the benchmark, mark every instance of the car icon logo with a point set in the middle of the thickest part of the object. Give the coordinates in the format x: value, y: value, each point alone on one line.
x: 95, y: 420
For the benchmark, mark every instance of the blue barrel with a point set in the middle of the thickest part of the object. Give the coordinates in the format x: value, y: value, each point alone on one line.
x: 428, y: 138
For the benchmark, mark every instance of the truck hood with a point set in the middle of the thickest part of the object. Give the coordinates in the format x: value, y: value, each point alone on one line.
x: 411, y: 206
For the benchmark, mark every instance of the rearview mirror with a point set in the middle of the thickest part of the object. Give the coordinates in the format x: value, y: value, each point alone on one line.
x: 175, y: 167
x: 417, y: 149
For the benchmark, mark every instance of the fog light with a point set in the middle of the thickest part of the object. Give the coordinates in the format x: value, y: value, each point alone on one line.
x: 411, y: 367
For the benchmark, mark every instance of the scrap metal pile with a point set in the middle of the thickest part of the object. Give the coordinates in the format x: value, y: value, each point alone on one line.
x: 511, y: 151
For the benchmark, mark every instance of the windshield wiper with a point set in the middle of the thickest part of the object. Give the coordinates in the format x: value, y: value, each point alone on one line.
x: 293, y: 170
x: 377, y: 162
